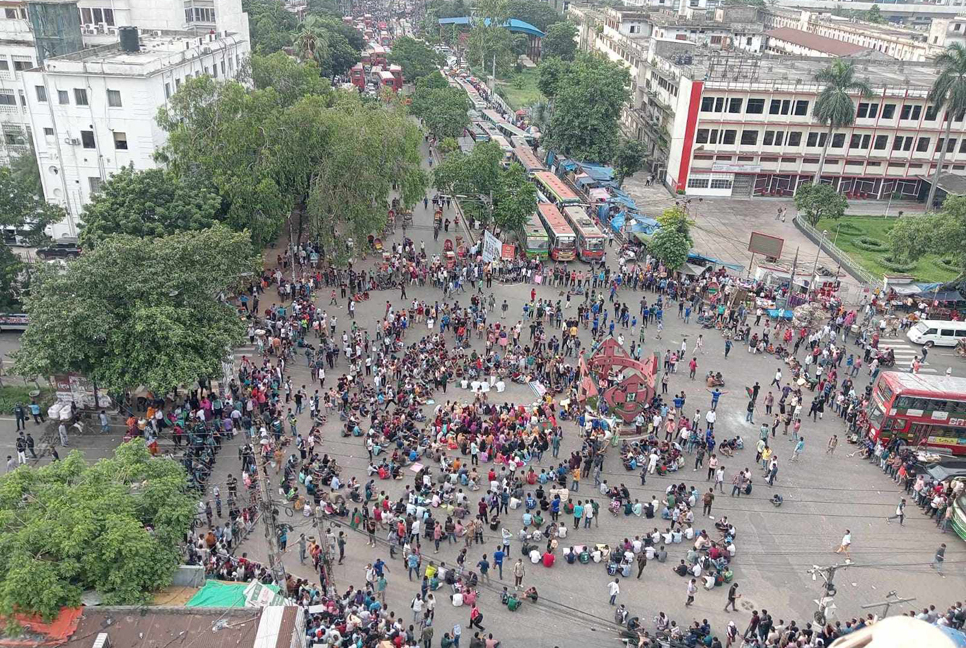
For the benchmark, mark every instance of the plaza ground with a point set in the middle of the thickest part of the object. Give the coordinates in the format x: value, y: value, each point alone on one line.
x: 824, y: 495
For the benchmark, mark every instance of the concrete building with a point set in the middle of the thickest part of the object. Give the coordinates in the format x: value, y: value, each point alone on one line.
x: 897, y: 42
x: 96, y: 24
x: 741, y: 126
x: 93, y: 111
x: 786, y: 41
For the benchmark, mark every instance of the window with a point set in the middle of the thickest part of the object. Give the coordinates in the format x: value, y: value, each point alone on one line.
x: 794, y: 139
x: 867, y: 110
x: 167, y: 90
x: 734, y: 105
x: 177, y: 84
x: 962, y: 145
x: 80, y: 96
x: 223, y: 67
x: 62, y: 97
x: 4, y: 65
x: 114, y: 98
x: 721, y: 183
x: 779, y: 107
x: 713, y: 138
x: 746, y: 158
x: 853, y: 163
x: 859, y: 142
x: 910, y: 112
x: 950, y: 148
x: 95, y: 184
x: 729, y: 137
x: 120, y: 140
x: 698, y: 183
x: 7, y: 98
x: 755, y: 106
x: 801, y: 107
x: 712, y: 104
x: 20, y: 66
x: 779, y: 138
x: 768, y: 139
x: 930, y: 113
x: 15, y: 13
x: 902, y: 143
x: 838, y: 140
x: 923, y: 145
x: 702, y: 137
x: 749, y: 137
x: 816, y: 139
x: 888, y: 111
x: 881, y: 142
x: 41, y: 93
x: 873, y: 164
x: 87, y: 139
x: 97, y: 15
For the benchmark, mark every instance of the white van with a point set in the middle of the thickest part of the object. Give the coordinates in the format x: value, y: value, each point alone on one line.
x: 937, y: 333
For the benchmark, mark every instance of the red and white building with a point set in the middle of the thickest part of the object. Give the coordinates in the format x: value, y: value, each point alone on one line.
x: 744, y: 127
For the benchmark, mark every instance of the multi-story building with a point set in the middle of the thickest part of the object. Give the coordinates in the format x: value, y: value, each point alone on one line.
x: 786, y: 41
x: 93, y: 112
x: 898, y: 42
x: 86, y: 23
x: 743, y: 126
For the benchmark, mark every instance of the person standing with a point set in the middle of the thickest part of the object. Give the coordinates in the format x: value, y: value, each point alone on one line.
x: 733, y: 597
x: 708, y: 499
x: 614, y: 588
x: 692, y: 590
x: 21, y: 415
x: 519, y: 571
x: 937, y: 561
x: 341, y: 543
x: 641, y: 563
x: 62, y: 431
x: 832, y: 443
x: 900, y: 512
x: 302, y: 546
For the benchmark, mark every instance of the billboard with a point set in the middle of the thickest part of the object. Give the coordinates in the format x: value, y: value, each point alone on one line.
x: 770, y: 246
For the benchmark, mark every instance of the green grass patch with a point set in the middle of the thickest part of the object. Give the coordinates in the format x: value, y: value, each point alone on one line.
x: 10, y: 395
x: 521, y: 90
x: 928, y: 268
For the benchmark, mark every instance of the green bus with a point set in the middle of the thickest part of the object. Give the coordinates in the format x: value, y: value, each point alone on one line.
x: 533, y: 238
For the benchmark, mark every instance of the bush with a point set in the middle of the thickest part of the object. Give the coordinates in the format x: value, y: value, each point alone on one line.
x: 947, y: 263
x: 895, y: 264
x: 845, y: 227
x: 10, y: 395
x: 869, y: 244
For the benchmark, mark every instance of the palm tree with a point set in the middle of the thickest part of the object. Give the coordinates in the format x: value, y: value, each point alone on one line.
x: 834, y: 107
x: 948, y: 91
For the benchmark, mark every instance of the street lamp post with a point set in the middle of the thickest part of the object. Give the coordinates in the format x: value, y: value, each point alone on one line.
x: 815, y: 265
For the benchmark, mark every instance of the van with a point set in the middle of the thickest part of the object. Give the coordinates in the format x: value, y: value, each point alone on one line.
x: 931, y: 333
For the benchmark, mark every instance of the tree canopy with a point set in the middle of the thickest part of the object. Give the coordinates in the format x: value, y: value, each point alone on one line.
x: 22, y: 203
x: 137, y: 312
x: 149, y: 203
x: 539, y: 14
x: 671, y: 244
x: 443, y: 109
x: 815, y: 202
x: 290, y: 79
x: 114, y: 527
x: 416, y: 58
x: 630, y: 159
x: 834, y: 107
x: 271, y: 25
x: 587, y: 102
x: 514, y: 199
x: 942, y: 233
x: 560, y: 41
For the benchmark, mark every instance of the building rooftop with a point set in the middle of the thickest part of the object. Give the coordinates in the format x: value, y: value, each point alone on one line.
x: 159, y: 627
x: 815, y: 42
x: 159, y: 50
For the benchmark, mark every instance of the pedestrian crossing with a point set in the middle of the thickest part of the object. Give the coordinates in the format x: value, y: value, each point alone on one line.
x: 905, y: 352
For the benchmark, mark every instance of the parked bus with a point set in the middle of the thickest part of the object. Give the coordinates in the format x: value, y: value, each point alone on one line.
x: 920, y: 409
x: 533, y: 238
x: 554, y: 190
x: 509, y: 130
x: 590, y: 242
x: 563, y: 241
x: 528, y: 160
x: 507, y: 149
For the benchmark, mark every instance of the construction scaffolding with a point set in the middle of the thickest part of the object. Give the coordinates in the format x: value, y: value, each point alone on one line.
x: 56, y: 27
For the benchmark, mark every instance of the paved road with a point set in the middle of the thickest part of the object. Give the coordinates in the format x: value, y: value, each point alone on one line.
x: 823, y: 496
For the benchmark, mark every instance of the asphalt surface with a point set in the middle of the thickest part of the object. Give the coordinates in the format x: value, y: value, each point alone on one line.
x: 824, y: 496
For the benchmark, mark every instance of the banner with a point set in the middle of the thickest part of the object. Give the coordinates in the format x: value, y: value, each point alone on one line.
x: 509, y: 251
x: 492, y: 247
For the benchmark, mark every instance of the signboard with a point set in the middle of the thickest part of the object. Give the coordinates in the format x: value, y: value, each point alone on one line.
x: 492, y: 247
x: 770, y: 246
x: 509, y: 251
x: 724, y: 167
x: 74, y: 387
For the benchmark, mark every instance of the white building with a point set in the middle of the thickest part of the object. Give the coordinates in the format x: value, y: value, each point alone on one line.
x: 93, y: 112
x: 97, y: 22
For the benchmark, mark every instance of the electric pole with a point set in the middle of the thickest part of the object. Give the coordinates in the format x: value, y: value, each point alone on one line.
x: 828, y: 575
x: 892, y: 598
x: 326, y: 568
x: 268, y: 513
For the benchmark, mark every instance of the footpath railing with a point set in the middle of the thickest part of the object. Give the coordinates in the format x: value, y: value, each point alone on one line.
x: 842, y: 258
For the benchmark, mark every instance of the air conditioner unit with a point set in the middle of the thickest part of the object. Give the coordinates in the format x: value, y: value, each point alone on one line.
x: 74, y: 141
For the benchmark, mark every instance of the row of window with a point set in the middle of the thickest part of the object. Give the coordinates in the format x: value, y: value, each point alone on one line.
x: 213, y: 71
x: 89, y: 142
x: 19, y: 65
x: 80, y: 97
x: 199, y: 14
x: 96, y: 16
x: 860, y: 142
x: 799, y: 107
x: 706, y: 183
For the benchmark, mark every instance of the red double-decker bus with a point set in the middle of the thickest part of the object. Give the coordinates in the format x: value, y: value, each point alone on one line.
x: 922, y: 410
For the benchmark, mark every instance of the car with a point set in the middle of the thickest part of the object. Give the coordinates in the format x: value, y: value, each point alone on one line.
x: 65, y: 248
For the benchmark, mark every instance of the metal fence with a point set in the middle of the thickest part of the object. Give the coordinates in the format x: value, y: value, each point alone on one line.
x: 848, y: 263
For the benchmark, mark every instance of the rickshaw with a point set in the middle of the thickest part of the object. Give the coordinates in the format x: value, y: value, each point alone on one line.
x: 407, y: 219
x: 448, y: 253
x: 377, y: 245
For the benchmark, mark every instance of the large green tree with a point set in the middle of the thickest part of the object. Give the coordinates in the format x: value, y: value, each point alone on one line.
x: 443, y: 109
x: 22, y: 204
x: 271, y: 25
x: 815, y: 202
x: 114, y: 527
x: 14, y: 281
x: 415, y: 57
x: 560, y: 41
x: 292, y: 80
x: 834, y: 107
x: 672, y: 242
x: 942, y: 233
x: 539, y: 14
x: 149, y: 203
x: 947, y: 96
x: 630, y: 159
x: 515, y: 198
x: 488, y: 45
x: 138, y: 312
x: 552, y: 71
x: 586, y: 109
